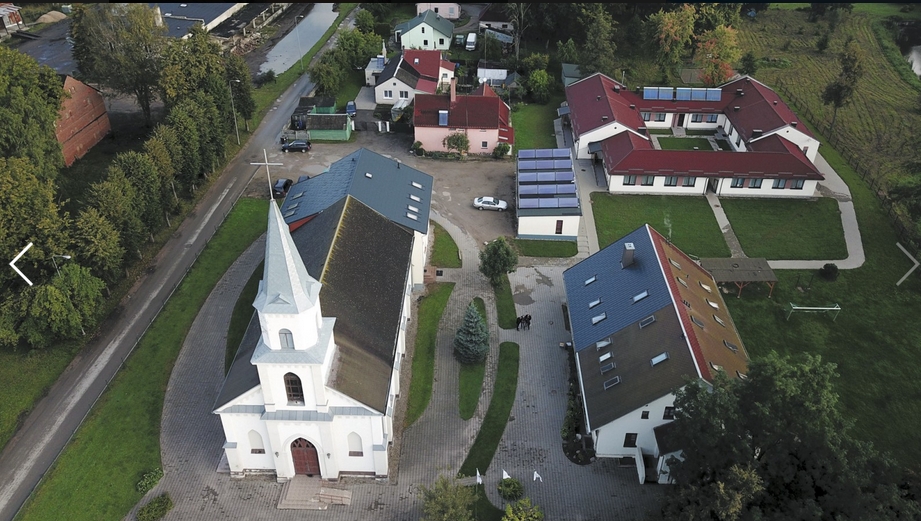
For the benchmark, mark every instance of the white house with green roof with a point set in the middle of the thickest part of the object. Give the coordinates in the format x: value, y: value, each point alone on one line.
x: 428, y: 31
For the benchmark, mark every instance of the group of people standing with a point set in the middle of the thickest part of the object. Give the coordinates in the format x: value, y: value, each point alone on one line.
x: 523, y: 322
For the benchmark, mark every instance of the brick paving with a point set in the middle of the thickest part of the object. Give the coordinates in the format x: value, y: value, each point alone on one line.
x: 192, y: 438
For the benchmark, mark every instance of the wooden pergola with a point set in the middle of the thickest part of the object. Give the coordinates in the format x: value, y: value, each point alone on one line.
x: 741, y: 272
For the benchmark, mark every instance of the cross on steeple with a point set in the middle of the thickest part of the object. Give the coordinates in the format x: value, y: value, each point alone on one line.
x: 266, y: 164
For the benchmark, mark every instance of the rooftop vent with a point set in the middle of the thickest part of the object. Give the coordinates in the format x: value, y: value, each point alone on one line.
x: 616, y: 89
x: 736, y: 108
x: 756, y: 132
x: 368, y: 175
x: 604, y: 118
x: 627, y: 258
x: 793, y: 123
x: 597, y: 98
x: 775, y: 102
x: 632, y: 106
x: 740, y: 92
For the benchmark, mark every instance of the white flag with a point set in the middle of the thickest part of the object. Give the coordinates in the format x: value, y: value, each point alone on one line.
x: 479, y: 479
x: 537, y: 477
x: 505, y: 474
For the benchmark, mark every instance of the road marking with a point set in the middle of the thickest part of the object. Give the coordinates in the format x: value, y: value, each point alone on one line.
x: 13, y: 264
x: 208, y: 216
x: 915, y: 261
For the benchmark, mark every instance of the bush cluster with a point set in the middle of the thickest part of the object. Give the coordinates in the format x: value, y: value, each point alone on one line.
x: 510, y: 489
x: 156, y: 509
x: 149, y: 480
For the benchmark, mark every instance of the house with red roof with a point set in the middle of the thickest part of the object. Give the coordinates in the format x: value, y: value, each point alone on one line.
x: 481, y: 115
x: 412, y: 72
x: 82, y: 121
x: 645, y: 320
x: 772, y: 153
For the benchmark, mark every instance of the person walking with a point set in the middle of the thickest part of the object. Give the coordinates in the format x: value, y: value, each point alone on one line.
x: 527, y: 321
x: 518, y: 324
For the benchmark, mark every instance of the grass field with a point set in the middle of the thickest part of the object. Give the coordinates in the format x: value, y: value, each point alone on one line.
x: 533, y: 124
x: 500, y: 406
x: 470, y: 380
x: 505, y: 305
x: 533, y: 248
x: 787, y: 229
x: 242, y: 313
x: 688, y: 220
x: 444, y: 253
x: 354, y: 81
x: 684, y: 143
x: 95, y: 476
x: 423, y: 369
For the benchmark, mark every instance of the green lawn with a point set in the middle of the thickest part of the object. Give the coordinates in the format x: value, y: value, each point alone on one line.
x: 687, y: 219
x: 500, y: 406
x: 533, y: 124
x: 471, y: 376
x: 95, y: 476
x: 444, y: 253
x: 684, y: 143
x: 242, y: 313
x: 354, y: 81
x: 786, y: 228
x: 505, y: 305
x: 533, y: 248
x: 423, y: 369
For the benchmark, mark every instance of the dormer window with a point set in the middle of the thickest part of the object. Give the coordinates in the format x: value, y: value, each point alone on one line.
x: 602, y: 344
x: 707, y: 288
x: 741, y: 375
x: 682, y: 281
x: 732, y: 347
x: 675, y: 264
x: 719, y: 321
x: 716, y: 367
x: 697, y: 322
x: 713, y: 305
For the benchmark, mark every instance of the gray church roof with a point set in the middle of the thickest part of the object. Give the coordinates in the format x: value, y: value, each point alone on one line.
x: 397, y: 191
x: 286, y: 286
x: 243, y: 375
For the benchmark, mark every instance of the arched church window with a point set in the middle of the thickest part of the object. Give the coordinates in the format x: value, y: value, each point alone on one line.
x: 255, y: 443
x: 287, y: 339
x: 355, y: 445
x: 294, y: 389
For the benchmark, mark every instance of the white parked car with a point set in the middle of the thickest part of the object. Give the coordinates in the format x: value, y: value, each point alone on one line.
x: 490, y: 203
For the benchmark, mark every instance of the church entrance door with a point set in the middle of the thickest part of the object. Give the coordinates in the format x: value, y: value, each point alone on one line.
x: 306, y: 460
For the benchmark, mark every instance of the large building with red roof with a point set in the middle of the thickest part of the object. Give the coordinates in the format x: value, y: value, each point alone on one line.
x: 412, y: 72
x: 481, y: 115
x: 772, y: 152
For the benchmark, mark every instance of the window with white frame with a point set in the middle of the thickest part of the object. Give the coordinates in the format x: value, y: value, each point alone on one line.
x: 629, y: 180
x: 286, y: 339
x: 388, y: 94
x: 779, y: 184
x: 690, y: 181
x: 648, y: 180
x: 671, y: 180
x: 697, y: 118
x: 797, y: 184
x: 754, y: 183
x: 404, y: 94
x: 645, y: 115
x: 737, y: 183
x: 485, y: 144
x: 660, y: 116
x: 712, y: 118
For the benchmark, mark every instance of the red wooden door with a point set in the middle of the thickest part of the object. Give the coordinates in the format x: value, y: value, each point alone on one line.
x: 306, y: 460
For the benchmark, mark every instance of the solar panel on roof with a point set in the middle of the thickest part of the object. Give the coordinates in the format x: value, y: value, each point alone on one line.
x: 566, y: 189
x: 546, y: 189
x: 560, y: 152
x: 527, y: 165
x: 543, y: 153
x: 568, y: 202
x: 650, y: 93
x: 683, y: 94
x: 543, y: 164
x: 562, y: 164
x: 527, y: 189
x: 527, y: 177
x: 547, y: 203
x: 565, y: 176
x: 666, y: 93
x: 442, y: 118
x: 546, y: 177
x: 698, y: 94
x: 528, y: 203
x: 525, y: 154
x: 714, y: 94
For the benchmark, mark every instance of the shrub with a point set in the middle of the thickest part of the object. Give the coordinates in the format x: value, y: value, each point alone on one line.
x: 149, y: 480
x: 156, y: 509
x: 829, y: 271
x: 501, y: 150
x: 511, y: 489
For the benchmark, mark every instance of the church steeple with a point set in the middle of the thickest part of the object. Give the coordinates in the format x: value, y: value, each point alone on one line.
x: 286, y: 288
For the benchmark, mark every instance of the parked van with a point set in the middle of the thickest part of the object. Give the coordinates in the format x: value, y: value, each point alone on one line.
x: 471, y: 42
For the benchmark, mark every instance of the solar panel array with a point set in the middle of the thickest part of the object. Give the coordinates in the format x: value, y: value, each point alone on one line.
x: 546, y: 179
x: 682, y: 94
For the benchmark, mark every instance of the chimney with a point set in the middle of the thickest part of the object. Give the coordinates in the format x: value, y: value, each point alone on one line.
x: 616, y: 89
x: 453, y: 90
x: 627, y: 258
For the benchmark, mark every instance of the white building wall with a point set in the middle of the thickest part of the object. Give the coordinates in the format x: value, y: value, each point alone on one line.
x: 395, y: 86
x: 616, y: 186
x: 544, y: 226
x: 423, y: 36
x: 241, y: 459
x: 809, y: 145
x: 598, y: 134
x: 445, y: 10
x: 419, y: 257
x: 609, y: 438
x: 767, y: 189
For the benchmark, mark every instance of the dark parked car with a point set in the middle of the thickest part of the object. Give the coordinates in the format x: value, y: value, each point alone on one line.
x: 281, y: 187
x: 298, y: 145
x: 350, y: 109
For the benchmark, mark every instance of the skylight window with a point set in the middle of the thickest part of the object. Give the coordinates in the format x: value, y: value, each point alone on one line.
x: 417, y: 185
x: 293, y: 206
x: 713, y: 305
x: 416, y: 209
x: 604, y: 357
x: 602, y: 344
x: 640, y: 296
x: 697, y: 321
x: 719, y: 321
x: 590, y: 280
x: 647, y: 321
x: 716, y: 367
x: 611, y: 383
x: 608, y: 367
x: 658, y: 359
x: 289, y: 214
x: 594, y: 303
x: 705, y: 287
x: 412, y: 216
x: 732, y: 347
x: 415, y: 198
x: 742, y: 375
x: 298, y: 195
x: 599, y: 318
x: 675, y: 264
x: 682, y: 282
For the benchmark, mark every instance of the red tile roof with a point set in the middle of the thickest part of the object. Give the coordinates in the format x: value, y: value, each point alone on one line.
x: 428, y: 64
x: 471, y: 112
x: 593, y: 98
x: 760, y: 108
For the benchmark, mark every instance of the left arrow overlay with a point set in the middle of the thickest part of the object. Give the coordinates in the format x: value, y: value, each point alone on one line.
x: 13, y: 264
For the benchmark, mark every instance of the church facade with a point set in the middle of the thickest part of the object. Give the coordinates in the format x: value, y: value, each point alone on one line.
x: 313, y: 387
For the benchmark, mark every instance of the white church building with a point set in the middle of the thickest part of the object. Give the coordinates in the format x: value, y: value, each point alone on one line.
x: 312, y: 389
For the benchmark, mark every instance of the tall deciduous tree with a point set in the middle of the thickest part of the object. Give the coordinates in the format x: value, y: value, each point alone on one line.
x: 186, y: 64
x: 673, y: 32
x: 30, y: 101
x: 599, y: 50
x: 116, y: 199
x: 162, y: 147
x: 354, y: 48
x: 119, y: 46
x: 567, y: 51
x: 717, y: 49
x: 364, y: 21
x: 98, y: 244
x: 748, y: 64
x: 776, y: 446
x: 712, y: 15
x: 243, y: 99
x: 497, y: 259
x: 841, y: 90
x: 447, y: 500
x: 471, y: 342
x: 142, y: 174
x: 518, y: 15
x: 539, y: 86
x: 182, y: 121
x: 327, y: 74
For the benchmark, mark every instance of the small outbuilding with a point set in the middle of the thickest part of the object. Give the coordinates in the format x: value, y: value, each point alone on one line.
x: 547, y: 198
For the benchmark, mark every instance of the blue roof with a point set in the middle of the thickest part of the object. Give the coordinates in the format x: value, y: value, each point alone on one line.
x: 396, y: 191
x: 616, y: 287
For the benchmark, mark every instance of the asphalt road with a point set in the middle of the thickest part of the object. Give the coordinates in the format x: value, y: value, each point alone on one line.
x: 52, y: 423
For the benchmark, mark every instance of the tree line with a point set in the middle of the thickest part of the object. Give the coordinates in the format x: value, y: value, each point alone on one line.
x: 74, y: 257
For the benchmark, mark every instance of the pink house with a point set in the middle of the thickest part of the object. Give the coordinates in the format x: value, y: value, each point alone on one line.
x: 482, y: 115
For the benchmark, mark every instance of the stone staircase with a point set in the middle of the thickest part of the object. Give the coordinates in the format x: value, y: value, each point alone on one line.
x: 301, y: 493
